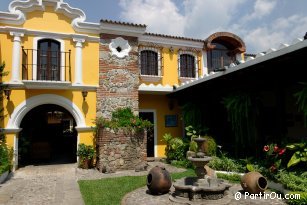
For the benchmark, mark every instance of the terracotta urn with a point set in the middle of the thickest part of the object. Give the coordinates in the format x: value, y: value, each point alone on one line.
x: 159, y: 180
x: 254, y: 183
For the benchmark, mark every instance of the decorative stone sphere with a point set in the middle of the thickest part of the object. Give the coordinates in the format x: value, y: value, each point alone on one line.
x: 159, y: 180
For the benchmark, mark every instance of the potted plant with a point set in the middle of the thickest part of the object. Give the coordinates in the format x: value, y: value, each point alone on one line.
x: 86, y: 154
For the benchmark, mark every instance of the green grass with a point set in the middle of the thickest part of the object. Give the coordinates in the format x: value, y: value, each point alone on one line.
x: 234, y: 178
x: 112, y: 190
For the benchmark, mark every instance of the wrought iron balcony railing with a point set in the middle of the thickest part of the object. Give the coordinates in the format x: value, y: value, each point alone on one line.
x: 46, y: 65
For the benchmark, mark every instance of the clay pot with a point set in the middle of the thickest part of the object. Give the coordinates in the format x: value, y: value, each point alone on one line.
x: 159, y: 180
x: 254, y: 183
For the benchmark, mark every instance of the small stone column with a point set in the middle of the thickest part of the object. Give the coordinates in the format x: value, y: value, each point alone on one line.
x: 78, y: 61
x: 16, y: 56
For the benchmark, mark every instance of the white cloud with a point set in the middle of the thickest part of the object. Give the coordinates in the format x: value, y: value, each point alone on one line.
x: 201, y: 18
x: 261, y: 9
x: 161, y: 16
x: 204, y: 17
x: 281, y: 30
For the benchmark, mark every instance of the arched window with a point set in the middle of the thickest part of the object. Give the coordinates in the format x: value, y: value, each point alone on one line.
x: 48, y: 60
x: 187, y: 66
x: 149, y: 62
x: 219, y: 57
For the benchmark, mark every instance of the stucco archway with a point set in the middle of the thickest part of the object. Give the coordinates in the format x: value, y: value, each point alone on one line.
x: 23, y: 108
x: 26, y: 106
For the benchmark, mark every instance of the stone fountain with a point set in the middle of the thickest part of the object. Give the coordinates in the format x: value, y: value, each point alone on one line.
x: 200, y: 189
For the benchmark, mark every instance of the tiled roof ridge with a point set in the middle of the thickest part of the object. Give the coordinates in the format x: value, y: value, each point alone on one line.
x: 176, y: 37
x: 122, y: 23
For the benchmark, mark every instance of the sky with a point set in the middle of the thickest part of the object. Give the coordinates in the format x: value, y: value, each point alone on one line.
x: 261, y: 24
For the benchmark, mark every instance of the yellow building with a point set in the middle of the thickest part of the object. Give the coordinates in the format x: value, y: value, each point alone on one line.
x: 51, y: 55
x: 56, y: 59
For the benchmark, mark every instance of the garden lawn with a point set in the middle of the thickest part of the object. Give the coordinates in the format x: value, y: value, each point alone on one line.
x: 112, y: 190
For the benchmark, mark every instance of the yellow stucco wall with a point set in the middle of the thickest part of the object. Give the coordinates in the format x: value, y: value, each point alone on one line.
x: 170, y: 67
x: 56, y: 22
x: 159, y: 103
x: 6, y: 47
x: 53, y: 22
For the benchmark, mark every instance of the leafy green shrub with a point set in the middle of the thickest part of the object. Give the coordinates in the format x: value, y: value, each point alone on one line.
x: 230, y: 177
x: 184, y: 163
x: 123, y: 118
x: 299, y: 155
x: 210, y: 146
x: 175, y: 148
x: 5, y: 157
x: 226, y: 164
x: 86, y: 151
x: 86, y: 154
x: 273, y: 156
x: 293, y: 181
x: 301, y: 201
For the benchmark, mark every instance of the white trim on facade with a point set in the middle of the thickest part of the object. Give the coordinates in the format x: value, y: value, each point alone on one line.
x: 18, y: 10
x: 6, y: 29
x: 35, y: 48
x: 155, y: 129
x: 205, y: 63
x: 23, y: 108
x: 151, y: 88
x: 122, y: 45
x: 181, y: 52
x: 16, y: 56
x: 124, y: 30
x: 158, y: 51
x: 78, y: 61
x: 166, y: 42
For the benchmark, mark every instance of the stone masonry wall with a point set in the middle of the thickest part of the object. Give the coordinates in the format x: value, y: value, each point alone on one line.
x: 118, y: 78
x: 118, y: 88
x: 119, y: 151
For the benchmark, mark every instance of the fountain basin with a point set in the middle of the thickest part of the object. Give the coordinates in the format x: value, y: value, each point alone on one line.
x: 194, y: 188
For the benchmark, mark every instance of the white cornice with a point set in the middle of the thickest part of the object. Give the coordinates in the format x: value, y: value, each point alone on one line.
x: 18, y: 10
x: 164, y: 41
x: 50, y: 85
x: 151, y: 88
x: 118, y: 29
x: 48, y: 34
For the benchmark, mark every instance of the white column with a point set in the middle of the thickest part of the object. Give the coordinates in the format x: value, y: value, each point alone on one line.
x: 16, y: 56
x: 78, y: 61
x: 205, y: 63
x: 239, y: 57
x: 15, y: 154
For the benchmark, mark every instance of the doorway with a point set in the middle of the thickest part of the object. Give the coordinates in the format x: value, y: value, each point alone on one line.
x: 151, y: 133
x: 48, y: 136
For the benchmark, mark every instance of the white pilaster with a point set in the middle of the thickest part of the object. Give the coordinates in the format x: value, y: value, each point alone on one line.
x: 239, y: 57
x: 205, y: 63
x: 16, y: 56
x: 78, y: 61
x: 15, y: 154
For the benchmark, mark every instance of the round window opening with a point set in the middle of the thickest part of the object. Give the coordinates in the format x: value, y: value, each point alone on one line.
x: 119, y: 49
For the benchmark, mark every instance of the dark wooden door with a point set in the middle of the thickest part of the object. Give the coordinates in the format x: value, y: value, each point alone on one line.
x: 150, y: 133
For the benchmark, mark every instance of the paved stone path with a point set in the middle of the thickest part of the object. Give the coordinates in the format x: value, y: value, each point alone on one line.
x: 141, y: 196
x: 42, y: 185
x: 57, y: 185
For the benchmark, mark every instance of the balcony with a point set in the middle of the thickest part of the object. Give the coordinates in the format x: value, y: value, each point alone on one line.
x: 46, y: 69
